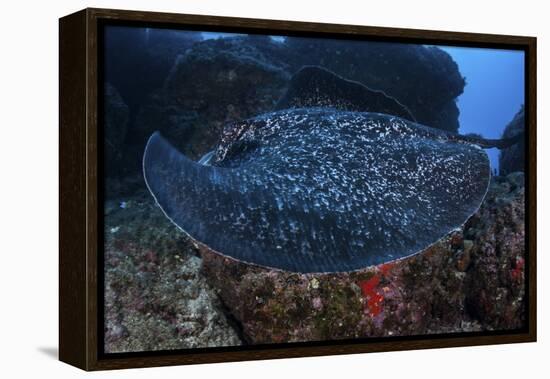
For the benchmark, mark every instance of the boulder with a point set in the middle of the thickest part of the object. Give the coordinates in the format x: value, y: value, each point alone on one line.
x: 137, y: 60
x: 513, y: 158
x: 215, y: 83
x: 423, y: 78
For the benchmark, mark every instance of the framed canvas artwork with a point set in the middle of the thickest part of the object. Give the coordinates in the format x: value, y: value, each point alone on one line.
x: 236, y: 189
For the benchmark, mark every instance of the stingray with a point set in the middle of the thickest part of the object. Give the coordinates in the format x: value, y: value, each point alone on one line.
x: 338, y: 177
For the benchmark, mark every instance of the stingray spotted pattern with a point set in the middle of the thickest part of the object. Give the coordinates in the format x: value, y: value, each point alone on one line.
x: 321, y: 189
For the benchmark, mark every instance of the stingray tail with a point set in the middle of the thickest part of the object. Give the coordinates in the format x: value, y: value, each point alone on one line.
x: 502, y: 143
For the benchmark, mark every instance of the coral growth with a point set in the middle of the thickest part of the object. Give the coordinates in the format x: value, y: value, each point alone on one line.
x: 155, y: 296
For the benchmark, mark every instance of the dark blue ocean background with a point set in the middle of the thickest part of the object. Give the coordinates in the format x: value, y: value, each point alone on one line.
x: 493, y: 93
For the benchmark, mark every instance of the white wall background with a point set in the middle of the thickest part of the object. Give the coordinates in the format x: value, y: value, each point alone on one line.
x: 28, y: 197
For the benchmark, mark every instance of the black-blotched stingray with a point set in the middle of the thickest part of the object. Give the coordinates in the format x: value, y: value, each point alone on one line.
x: 339, y: 177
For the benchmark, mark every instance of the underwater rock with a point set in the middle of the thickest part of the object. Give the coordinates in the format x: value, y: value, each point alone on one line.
x: 213, y: 83
x: 495, y: 285
x: 139, y: 59
x: 155, y: 296
x: 138, y: 63
x: 512, y: 158
x: 116, y: 125
x: 436, y: 291
x: 120, y: 179
x: 429, y: 92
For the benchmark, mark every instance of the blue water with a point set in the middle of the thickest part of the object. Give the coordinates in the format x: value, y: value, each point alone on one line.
x: 494, y: 90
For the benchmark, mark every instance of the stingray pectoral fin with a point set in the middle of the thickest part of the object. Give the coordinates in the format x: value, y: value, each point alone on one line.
x: 203, y: 201
x: 179, y: 185
x: 236, y: 212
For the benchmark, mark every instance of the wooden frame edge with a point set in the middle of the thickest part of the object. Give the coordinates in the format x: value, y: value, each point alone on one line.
x: 72, y: 191
x: 531, y: 71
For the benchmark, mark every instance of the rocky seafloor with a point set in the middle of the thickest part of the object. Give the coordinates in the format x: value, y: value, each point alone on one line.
x: 164, y: 292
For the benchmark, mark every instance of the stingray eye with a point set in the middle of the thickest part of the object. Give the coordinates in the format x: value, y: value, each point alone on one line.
x: 240, y: 148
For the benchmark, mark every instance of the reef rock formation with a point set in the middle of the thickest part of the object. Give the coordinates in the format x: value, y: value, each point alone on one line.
x: 215, y: 82
x: 513, y: 158
x: 423, y: 78
x: 155, y: 296
x: 137, y: 63
x: 495, y: 285
x: 139, y: 59
x: 471, y: 281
